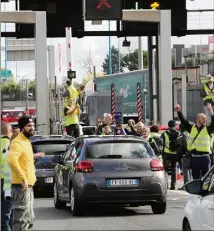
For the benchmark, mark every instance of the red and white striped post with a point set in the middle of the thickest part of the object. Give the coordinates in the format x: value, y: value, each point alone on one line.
x: 139, y: 103
x: 68, y: 32
x: 113, y: 103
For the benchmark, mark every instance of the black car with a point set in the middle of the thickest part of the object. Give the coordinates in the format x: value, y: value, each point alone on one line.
x: 109, y: 170
x: 51, y: 146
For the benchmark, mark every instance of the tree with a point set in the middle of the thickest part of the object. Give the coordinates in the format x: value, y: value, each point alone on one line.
x: 89, y: 77
x: 130, y: 61
x: 114, y: 62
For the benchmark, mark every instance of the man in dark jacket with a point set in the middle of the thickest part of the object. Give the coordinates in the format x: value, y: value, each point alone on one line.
x: 199, y: 143
x: 107, y: 121
x: 183, y: 154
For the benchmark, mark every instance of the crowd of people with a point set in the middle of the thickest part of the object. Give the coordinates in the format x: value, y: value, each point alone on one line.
x: 192, y: 147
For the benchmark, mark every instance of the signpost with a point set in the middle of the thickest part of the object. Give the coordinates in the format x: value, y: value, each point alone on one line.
x: 5, y: 73
x: 103, y: 10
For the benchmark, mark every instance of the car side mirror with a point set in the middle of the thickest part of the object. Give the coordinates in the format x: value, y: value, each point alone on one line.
x: 194, y: 187
x: 57, y: 159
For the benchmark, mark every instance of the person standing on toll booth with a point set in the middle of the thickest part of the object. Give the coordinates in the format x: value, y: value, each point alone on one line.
x: 170, y: 156
x: 71, y: 113
x: 70, y: 92
x: 199, y: 142
x: 207, y: 94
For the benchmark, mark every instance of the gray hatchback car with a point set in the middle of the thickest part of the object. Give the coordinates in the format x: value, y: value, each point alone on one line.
x: 109, y: 170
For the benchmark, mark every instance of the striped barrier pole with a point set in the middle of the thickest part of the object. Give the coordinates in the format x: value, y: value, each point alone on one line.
x: 113, y: 103
x: 139, y: 103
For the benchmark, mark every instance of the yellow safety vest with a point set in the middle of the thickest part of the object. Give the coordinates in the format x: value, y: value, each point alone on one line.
x: 203, y: 141
x: 5, y: 142
x: 167, y: 142
x: 74, y: 94
x: 72, y: 119
x: 7, y: 174
x: 206, y: 89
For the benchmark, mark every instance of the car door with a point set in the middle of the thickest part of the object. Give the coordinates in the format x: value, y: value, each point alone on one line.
x: 207, y: 208
x: 61, y: 171
x: 70, y: 167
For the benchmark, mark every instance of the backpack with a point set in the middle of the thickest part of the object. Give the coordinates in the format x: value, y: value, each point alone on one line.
x: 172, y: 140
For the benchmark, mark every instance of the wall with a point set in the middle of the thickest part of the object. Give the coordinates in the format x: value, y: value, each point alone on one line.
x: 13, y: 104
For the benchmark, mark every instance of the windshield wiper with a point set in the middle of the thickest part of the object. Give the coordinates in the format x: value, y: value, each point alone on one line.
x: 111, y: 156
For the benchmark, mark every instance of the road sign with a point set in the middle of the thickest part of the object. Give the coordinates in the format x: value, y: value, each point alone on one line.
x: 103, y: 9
x: 5, y: 73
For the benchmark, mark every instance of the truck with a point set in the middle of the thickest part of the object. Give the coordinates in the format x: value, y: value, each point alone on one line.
x: 126, y: 85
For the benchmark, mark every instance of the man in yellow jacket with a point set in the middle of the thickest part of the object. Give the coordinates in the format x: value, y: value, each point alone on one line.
x: 21, y: 162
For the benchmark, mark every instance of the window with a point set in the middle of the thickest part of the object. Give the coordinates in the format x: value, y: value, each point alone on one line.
x: 208, y: 179
x: 50, y: 148
x: 125, y: 150
x: 211, y: 187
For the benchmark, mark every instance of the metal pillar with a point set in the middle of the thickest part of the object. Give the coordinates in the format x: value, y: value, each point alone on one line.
x: 150, y: 67
x: 39, y: 19
x: 184, y: 95
x: 165, y: 66
x: 163, y: 17
x: 42, y: 93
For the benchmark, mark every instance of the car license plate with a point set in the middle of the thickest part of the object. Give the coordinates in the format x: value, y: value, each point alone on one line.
x: 49, y: 180
x: 123, y: 182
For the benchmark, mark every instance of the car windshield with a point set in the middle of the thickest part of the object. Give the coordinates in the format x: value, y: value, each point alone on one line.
x: 50, y: 148
x: 124, y: 150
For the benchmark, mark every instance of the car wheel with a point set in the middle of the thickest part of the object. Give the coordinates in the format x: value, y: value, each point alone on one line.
x: 186, y: 226
x: 159, y: 208
x: 57, y: 203
x: 76, y: 207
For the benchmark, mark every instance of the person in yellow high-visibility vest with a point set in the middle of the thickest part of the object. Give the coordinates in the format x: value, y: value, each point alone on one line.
x: 70, y: 92
x: 199, y: 142
x: 71, y: 117
x: 207, y: 94
x: 6, y: 200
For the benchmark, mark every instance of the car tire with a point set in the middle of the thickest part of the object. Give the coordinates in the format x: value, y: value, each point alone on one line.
x: 76, y: 207
x: 186, y: 226
x: 159, y: 208
x: 57, y: 203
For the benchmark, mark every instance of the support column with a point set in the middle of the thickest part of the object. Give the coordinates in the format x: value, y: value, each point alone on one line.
x: 150, y: 66
x: 184, y: 95
x: 165, y: 67
x: 42, y: 105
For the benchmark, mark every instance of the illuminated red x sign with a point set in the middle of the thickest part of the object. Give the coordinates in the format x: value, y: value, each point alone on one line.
x: 103, y: 3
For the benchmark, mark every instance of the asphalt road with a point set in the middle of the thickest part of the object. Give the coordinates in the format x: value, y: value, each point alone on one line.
x: 140, y: 218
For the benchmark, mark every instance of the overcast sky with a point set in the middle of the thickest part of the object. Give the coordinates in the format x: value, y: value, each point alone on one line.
x: 99, y: 45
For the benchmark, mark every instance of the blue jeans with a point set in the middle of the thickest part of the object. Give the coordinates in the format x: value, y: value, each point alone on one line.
x: 186, y: 169
x: 200, y: 166
x: 7, y: 214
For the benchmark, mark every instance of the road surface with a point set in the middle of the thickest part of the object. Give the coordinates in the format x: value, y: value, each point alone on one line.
x: 140, y: 218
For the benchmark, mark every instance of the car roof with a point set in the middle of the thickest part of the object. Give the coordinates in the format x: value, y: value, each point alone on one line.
x: 95, y: 138
x: 56, y: 138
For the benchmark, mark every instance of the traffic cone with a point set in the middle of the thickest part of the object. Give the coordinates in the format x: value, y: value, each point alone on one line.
x: 178, y: 173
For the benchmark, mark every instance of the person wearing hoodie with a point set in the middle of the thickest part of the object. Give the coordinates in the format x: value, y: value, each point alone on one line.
x: 170, y: 156
x: 147, y: 137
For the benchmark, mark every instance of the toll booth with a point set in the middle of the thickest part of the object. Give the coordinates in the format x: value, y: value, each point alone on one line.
x: 99, y: 103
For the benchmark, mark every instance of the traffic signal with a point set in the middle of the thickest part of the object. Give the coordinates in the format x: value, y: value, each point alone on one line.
x: 71, y: 74
x: 178, y: 11
x: 60, y: 14
x: 155, y: 5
